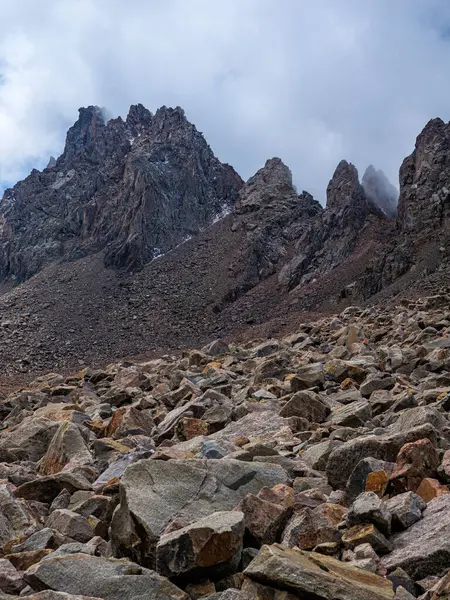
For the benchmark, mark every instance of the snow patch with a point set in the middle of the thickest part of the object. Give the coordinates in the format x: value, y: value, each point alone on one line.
x: 224, y: 211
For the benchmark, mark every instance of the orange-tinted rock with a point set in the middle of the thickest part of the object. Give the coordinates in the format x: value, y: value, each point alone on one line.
x: 23, y: 560
x: 414, y: 462
x: 431, y: 488
x: 377, y: 482
x: 280, y: 494
x: 188, y: 428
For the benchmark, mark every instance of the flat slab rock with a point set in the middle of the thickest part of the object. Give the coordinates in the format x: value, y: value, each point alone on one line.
x: 309, y: 574
x: 154, y: 493
x: 110, y: 579
x: 424, y: 548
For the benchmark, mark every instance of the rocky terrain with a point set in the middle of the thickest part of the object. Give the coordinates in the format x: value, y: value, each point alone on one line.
x: 314, y: 465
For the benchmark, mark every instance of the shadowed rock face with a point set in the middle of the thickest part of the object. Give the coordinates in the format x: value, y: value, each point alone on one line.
x: 133, y: 188
x: 334, y: 234
x: 424, y: 202
x: 380, y: 192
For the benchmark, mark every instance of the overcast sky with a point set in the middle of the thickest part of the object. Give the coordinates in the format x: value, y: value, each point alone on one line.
x: 311, y: 81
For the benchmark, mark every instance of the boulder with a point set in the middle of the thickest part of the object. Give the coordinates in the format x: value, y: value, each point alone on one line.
x: 109, y: 579
x: 405, y: 509
x: 309, y: 574
x: 67, y: 448
x: 153, y: 492
x: 424, y: 548
x: 70, y: 524
x: 209, y: 548
x: 369, y: 508
x: 264, y: 521
x: 307, y: 405
x: 385, y: 447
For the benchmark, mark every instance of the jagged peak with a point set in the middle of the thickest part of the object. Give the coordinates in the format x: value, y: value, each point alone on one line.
x: 435, y: 128
x: 344, y: 188
x: 138, y: 118
x: 273, y: 181
x: 380, y: 192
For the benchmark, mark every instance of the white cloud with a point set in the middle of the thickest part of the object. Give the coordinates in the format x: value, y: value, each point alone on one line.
x: 311, y: 81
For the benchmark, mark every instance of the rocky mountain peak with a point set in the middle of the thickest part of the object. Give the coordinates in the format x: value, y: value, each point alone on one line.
x: 271, y: 183
x: 130, y: 201
x: 379, y: 191
x: 138, y: 119
x: 344, y: 192
x: 89, y: 126
x: 424, y: 202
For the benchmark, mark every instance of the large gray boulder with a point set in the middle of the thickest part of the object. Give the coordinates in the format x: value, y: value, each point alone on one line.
x: 106, y: 578
x: 344, y: 459
x: 312, y: 575
x: 424, y: 548
x: 156, y: 493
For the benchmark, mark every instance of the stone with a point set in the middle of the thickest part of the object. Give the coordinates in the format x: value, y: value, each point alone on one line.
x: 311, y: 574
x: 33, y: 436
x: 369, y: 472
x: 16, y: 518
x: 355, y: 414
x: 312, y: 527
x: 307, y: 405
x: 11, y: 581
x: 70, y: 524
x: 52, y: 595
x: 385, y: 447
x: 424, y: 548
x: 431, y: 488
x: 316, y: 456
x: 366, y: 534
x: 405, y: 509
x: 399, y: 577
x: 209, y: 548
x: 415, y: 461
x: 45, y: 489
x: 66, y: 448
x: 376, y: 381
x: 152, y: 492
x: 369, y: 508
x: 264, y: 521
x: 109, y: 579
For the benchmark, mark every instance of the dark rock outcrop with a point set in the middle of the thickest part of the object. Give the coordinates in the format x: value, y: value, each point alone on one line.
x: 379, y: 191
x: 134, y: 189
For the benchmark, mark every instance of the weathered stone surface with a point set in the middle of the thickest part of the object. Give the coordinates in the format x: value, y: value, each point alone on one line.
x: 405, y: 509
x: 368, y: 471
x: 429, y: 489
x: 208, y: 548
x: 67, y: 448
x: 366, y: 534
x: 316, y: 575
x: 312, y: 527
x: 70, y: 524
x: 11, y: 581
x: 369, y: 508
x: 384, y: 447
x: 154, y: 492
x: 415, y: 461
x: 424, y: 548
x: 81, y: 574
x: 308, y: 405
x: 264, y: 521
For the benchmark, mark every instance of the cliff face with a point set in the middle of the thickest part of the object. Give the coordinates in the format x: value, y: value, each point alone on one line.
x: 133, y: 188
x: 424, y: 203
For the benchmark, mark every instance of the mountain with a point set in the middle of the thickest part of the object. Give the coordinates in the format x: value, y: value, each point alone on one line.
x: 133, y: 189
x: 138, y: 240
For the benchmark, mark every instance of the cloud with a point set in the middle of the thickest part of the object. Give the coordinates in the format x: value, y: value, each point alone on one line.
x: 310, y: 81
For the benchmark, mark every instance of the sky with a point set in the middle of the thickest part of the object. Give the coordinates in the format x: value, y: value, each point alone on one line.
x: 310, y: 81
